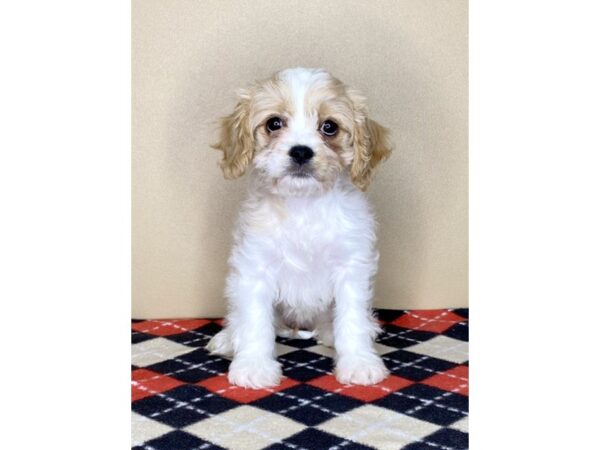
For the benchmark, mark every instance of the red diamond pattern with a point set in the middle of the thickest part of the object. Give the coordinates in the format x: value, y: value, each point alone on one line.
x: 364, y: 393
x: 145, y: 383
x: 436, y: 321
x: 221, y: 386
x: 453, y: 380
x: 168, y: 327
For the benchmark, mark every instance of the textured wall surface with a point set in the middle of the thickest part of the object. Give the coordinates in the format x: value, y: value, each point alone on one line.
x: 409, y: 58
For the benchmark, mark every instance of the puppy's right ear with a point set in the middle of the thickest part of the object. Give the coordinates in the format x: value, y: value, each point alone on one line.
x: 236, y: 139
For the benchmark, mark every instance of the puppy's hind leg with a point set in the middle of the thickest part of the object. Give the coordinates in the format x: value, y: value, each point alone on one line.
x: 325, y: 328
x: 221, y: 344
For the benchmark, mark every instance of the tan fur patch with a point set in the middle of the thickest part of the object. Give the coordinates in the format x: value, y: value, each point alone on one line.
x: 371, y: 147
x: 236, y: 139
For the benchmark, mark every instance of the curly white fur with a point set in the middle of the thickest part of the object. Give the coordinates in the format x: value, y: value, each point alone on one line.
x: 304, y: 254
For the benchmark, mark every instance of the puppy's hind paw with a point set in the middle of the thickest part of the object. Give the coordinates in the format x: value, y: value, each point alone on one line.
x: 220, y: 344
x: 295, y: 333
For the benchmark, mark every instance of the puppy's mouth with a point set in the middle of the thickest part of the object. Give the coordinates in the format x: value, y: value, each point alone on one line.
x: 300, y: 172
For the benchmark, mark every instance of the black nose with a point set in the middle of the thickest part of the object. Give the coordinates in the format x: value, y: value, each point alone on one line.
x: 301, y: 153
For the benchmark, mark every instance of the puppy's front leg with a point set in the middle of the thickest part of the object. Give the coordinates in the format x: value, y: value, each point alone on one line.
x: 354, y: 331
x: 251, y: 324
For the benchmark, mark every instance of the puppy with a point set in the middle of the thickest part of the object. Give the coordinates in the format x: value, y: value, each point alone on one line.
x: 304, y: 253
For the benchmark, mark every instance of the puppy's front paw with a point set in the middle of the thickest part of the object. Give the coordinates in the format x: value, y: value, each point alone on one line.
x: 254, y: 373
x: 363, y: 369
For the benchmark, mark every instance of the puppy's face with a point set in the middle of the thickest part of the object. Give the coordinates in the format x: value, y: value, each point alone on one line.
x: 300, y: 130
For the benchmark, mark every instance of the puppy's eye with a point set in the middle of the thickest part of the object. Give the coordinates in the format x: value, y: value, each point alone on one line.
x: 329, y: 128
x: 274, y: 124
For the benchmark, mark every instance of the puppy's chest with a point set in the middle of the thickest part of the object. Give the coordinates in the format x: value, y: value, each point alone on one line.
x: 303, y: 238
x: 302, y: 246
x: 306, y: 257
x: 309, y: 243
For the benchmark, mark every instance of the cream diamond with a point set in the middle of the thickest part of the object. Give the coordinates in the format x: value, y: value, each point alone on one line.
x: 245, y: 427
x: 378, y: 427
x: 461, y: 425
x: 156, y: 350
x: 144, y: 429
x: 322, y: 350
x: 282, y: 349
x: 383, y: 349
x: 443, y: 347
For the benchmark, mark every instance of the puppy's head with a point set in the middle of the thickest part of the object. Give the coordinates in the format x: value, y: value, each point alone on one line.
x: 300, y: 129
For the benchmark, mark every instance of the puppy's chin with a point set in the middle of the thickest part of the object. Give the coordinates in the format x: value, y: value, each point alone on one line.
x: 299, y: 184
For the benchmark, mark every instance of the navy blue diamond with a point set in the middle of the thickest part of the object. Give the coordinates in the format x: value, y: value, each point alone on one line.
x: 182, y: 406
x: 450, y: 438
x: 415, y: 367
x: 436, y: 414
x: 459, y: 331
x: 190, y: 339
x: 399, y: 403
x: 302, y: 365
x: 198, y: 337
x: 399, y: 337
x: 304, y: 357
x: 192, y: 367
x: 137, y: 337
x: 445, y: 437
x: 312, y: 439
x: 307, y: 404
x: 297, y: 343
x: 463, y: 312
x: 177, y: 440
x: 418, y: 401
x: 388, y: 315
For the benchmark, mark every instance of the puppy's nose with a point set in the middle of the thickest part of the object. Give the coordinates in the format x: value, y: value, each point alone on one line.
x: 301, y: 153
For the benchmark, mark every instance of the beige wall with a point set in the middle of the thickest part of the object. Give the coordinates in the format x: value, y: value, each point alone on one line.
x: 409, y: 58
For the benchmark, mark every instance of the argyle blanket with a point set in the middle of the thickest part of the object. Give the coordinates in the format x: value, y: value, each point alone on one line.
x: 181, y: 399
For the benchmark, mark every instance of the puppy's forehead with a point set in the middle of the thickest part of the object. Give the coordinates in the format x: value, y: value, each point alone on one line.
x: 303, y: 95
x: 307, y: 89
x: 300, y: 80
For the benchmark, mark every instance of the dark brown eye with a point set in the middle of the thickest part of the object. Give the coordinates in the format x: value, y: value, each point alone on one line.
x: 274, y: 124
x: 329, y: 128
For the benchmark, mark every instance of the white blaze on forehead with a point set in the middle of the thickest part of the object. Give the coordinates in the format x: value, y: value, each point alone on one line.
x: 299, y: 81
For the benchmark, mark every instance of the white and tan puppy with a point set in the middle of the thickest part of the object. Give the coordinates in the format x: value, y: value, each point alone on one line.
x: 304, y: 253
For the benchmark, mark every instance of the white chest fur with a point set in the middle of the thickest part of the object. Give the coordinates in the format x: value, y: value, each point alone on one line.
x: 301, y: 245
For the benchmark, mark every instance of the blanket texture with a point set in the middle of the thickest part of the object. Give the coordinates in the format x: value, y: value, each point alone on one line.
x: 181, y: 399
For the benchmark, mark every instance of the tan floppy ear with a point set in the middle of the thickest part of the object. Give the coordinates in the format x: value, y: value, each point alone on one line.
x: 371, y: 146
x: 236, y: 139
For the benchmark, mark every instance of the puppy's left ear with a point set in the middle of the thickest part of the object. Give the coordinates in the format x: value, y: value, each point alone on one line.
x: 236, y: 139
x: 371, y: 145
